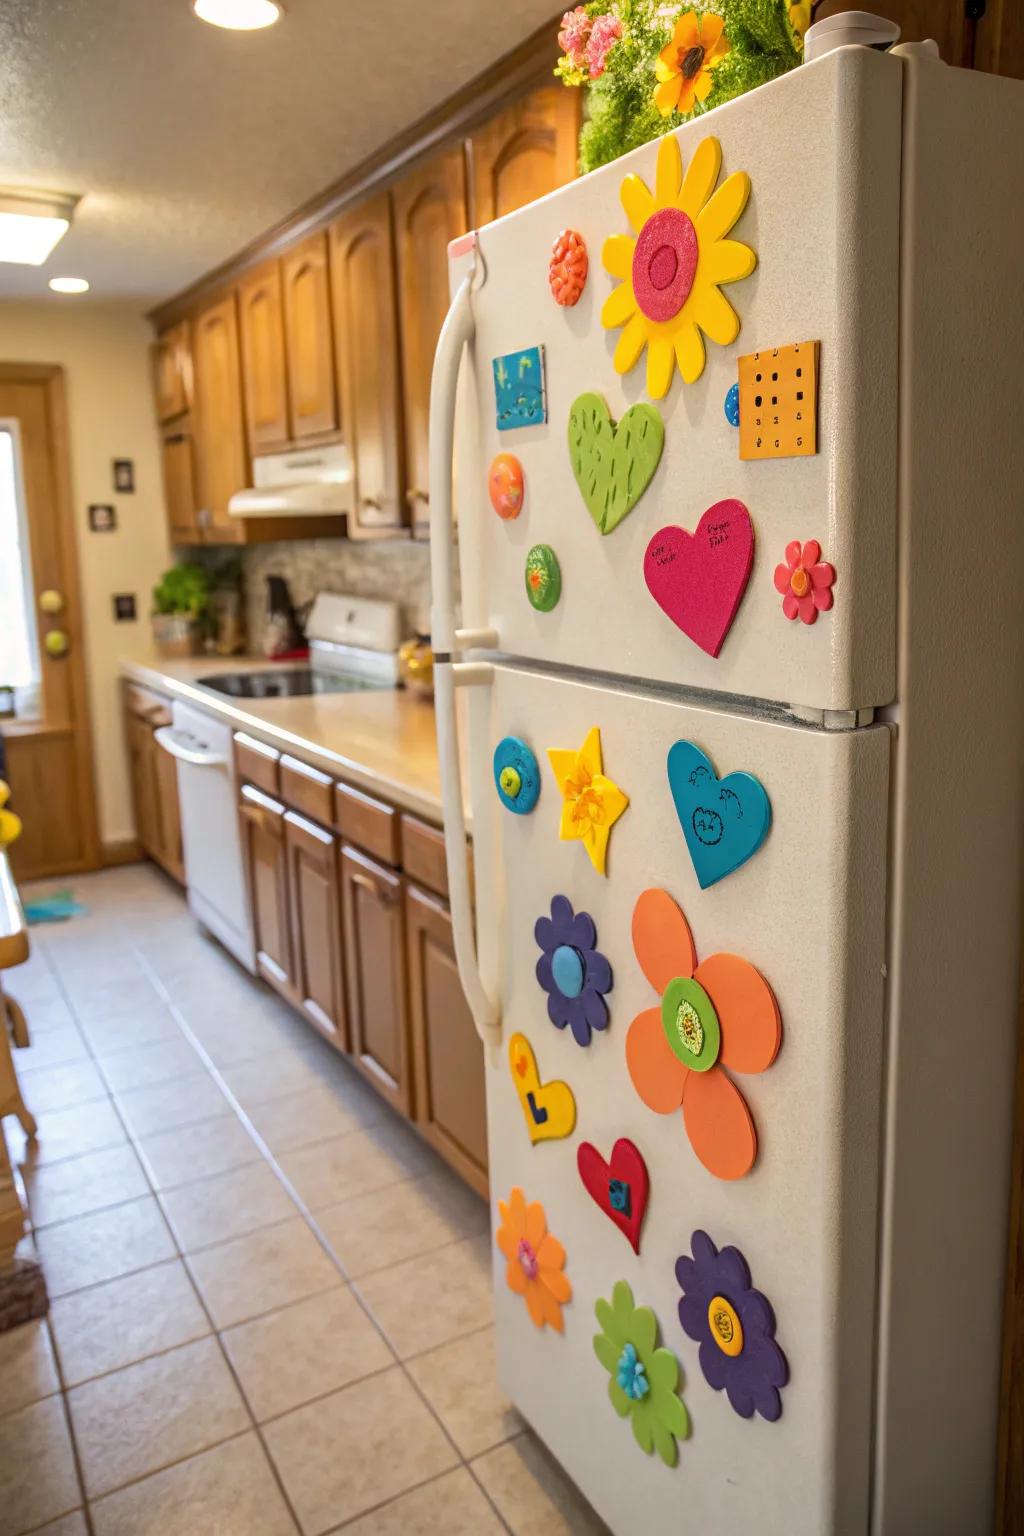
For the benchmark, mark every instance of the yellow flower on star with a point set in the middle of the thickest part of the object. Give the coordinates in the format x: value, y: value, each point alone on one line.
x: 591, y: 803
x: 670, y: 272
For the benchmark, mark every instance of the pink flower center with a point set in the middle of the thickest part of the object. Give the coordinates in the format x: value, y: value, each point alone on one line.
x: 527, y: 1259
x: 664, y: 263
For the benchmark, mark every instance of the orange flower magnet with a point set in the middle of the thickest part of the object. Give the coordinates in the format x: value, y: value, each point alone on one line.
x: 535, y: 1259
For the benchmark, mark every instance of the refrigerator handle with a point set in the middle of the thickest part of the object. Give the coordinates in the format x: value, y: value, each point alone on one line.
x: 455, y: 333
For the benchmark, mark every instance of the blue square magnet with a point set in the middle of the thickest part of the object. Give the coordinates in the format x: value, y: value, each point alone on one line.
x: 519, y: 396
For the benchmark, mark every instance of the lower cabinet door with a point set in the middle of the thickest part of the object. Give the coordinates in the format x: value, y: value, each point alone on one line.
x: 141, y: 748
x: 266, y: 870
x: 375, y: 971
x: 316, y: 924
x: 168, y: 813
x: 451, y: 1105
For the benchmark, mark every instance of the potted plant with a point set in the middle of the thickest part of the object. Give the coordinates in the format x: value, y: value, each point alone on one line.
x: 180, y: 606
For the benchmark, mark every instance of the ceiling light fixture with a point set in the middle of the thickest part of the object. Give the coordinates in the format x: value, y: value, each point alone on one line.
x: 31, y: 223
x: 238, y: 15
x: 69, y: 284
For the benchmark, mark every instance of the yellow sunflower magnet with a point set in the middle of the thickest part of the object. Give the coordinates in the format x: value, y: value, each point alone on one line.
x: 669, y: 293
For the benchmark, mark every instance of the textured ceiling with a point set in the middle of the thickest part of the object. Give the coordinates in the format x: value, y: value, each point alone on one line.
x: 186, y: 142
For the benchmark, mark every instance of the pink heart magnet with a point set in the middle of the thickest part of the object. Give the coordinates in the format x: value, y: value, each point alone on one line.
x: 699, y: 578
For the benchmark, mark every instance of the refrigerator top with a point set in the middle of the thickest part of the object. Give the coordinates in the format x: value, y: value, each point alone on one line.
x: 822, y: 149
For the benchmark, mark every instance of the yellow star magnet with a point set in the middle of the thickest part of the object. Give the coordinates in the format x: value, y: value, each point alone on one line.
x: 591, y: 803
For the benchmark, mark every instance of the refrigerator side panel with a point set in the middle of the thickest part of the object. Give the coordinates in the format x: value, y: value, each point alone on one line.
x: 808, y: 910
x: 821, y: 146
x: 958, y: 831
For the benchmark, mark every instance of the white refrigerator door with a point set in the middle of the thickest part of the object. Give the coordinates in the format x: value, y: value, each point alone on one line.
x: 822, y: 148
x: 808, y: 910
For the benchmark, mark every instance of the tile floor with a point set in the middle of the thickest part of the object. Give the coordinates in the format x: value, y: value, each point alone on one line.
x: 231, y: 1223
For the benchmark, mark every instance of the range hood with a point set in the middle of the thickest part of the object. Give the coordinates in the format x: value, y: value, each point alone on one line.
x: 304, y: 483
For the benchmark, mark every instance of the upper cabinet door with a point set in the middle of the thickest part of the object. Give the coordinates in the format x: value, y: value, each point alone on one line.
x: 172, y: 373
x: 430, y: 210
x: 525, y: 152
x: 308, y: 343
x: 366, y: 350
x: 264, y: 379
x: 222, y: 466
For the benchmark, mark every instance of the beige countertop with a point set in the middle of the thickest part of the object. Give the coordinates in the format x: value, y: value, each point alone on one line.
x: 382, y: 740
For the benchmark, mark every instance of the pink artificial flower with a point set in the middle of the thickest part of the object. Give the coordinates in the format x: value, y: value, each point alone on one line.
x: 575, y: 35
x: 604, y: 34
x: 805, y: 581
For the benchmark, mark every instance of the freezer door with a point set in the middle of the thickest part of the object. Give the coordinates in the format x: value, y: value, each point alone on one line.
x: 808, y: 910
x: 822, y: 149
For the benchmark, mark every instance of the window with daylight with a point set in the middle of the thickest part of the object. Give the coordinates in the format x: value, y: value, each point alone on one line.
x: 19, y: 651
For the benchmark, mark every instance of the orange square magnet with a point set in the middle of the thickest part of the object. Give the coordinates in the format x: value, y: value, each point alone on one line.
x: 778, y: 402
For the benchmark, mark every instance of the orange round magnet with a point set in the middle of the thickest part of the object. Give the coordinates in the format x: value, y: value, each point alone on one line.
x: 567, y: 269
x: 506, y: 485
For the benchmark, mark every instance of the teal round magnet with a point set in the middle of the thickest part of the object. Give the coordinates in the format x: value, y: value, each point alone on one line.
x: 543, y: 577
x: 568, y: 970
x: 732, y: 405
x: 516, y: 775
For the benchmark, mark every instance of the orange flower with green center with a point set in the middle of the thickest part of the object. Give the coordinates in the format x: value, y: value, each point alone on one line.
x: 684, y: 67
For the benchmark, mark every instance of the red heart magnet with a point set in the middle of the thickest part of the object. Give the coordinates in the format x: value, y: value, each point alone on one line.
x: 699, y: 578
x: 619, y: 1187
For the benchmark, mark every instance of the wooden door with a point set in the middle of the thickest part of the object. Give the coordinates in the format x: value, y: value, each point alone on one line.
x: 525, y: 152
x: 264, y: 376
x: 308, y: 340
x: 180, y: 488
x: 48, y: 745
x: 168, y: 850
x: 221, y: 462
x: 430, y: 210
x: 366, y: 353
x: 316, y: 924
x: 451, y: 1102
x: 375, y: 974
x: 172, y: 373
x: 266, y: 870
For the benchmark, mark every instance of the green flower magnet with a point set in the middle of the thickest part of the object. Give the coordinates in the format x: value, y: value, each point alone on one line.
x: 642, y: 1379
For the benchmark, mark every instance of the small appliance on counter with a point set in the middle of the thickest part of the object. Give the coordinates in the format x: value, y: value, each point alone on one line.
x: 353, y: 644
x: 282, y: 633
x: 416, y: 665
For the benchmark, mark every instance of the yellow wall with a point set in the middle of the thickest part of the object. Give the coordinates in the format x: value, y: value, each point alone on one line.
x: 104, y: 350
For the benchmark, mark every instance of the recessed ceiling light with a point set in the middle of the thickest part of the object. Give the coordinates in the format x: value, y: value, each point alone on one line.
x: 238, y: 15
x: 69, y: 284
x: 31, y: 223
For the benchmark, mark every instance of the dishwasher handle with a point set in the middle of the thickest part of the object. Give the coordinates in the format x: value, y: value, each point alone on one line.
x: 175, y: 742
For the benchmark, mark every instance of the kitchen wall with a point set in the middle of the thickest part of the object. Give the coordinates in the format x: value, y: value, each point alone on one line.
x: 104, y: 350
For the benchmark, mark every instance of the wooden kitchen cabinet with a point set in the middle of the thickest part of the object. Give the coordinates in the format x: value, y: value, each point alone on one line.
x: 264, y: 377
x: 375, y: 975
x: 525, y: 152
x: 448, y: 1058
x: 154, y: 782
x: 315, y: 916
x: 265, y: 856
x: 179, y: 488
x: 362, y: 261
x: 172, y: 373
x: 309, y: 344
x: 430, y: 210
x: 141, y: 748
x: 222, y: 464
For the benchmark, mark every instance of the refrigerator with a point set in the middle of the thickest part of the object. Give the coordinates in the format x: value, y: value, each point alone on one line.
x: 736, y: 728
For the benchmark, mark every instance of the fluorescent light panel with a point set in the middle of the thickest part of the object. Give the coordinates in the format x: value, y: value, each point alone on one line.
x: 69, y: 284
x: 238, y: 15
x: 31, y: 224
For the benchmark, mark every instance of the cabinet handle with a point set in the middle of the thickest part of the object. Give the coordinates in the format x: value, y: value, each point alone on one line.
x: 386, y: 894
x: 413, y: 496
x: 372, y: 504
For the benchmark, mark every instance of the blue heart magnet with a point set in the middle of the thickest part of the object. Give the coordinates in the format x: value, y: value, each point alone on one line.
x: 724, y: 821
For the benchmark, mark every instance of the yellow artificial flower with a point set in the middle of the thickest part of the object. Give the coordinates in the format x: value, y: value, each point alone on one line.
x: 800, y: 19
x: 670, y: 273
x: 591, y: 803
x: 683, y: 68
x: 10, y: 825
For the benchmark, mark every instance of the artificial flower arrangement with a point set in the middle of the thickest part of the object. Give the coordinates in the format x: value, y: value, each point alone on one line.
x: 647, y: 67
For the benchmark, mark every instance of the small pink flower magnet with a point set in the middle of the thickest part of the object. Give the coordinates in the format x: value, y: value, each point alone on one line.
x: 805, y: 581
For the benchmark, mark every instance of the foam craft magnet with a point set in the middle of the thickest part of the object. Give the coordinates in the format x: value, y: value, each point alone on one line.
x: 567, y: 269
x: 572, y: 970
x: 620, y: 1186
x: 698, y: 579
x: 644, y: 1379
x: 591, y: 802
x: 535, y: 1257
x: 549, y: 1109
x: 543, y: 577
x: 516, y: 775
x: 805, y: 581
x: 735, y: 1327
x: 519, y: 396
x: 724, y: 821
x: 506, y: 485
x: 613, y: 464
x: 732, y: 405
x: 778, y: 402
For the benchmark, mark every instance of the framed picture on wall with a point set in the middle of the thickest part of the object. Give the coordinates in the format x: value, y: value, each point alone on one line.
x: 124, y: 476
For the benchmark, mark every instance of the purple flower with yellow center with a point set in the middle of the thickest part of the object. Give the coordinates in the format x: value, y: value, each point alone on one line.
x: 572, y: 971
x: 734, y: 1326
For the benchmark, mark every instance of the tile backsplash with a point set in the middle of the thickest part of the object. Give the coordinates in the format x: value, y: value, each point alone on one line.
x: 398, y: 569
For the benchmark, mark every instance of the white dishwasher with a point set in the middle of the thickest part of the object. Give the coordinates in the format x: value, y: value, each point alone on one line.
x: 214, y: 877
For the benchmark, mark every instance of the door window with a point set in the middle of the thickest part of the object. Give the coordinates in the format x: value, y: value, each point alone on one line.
x: 19, y: 649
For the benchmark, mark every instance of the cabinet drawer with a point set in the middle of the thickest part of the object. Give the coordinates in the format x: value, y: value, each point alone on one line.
x: 151, y: 707
x: 257, y: 762
x: 423, y: 856
x: 306, y: 788
x: 368, y: 822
